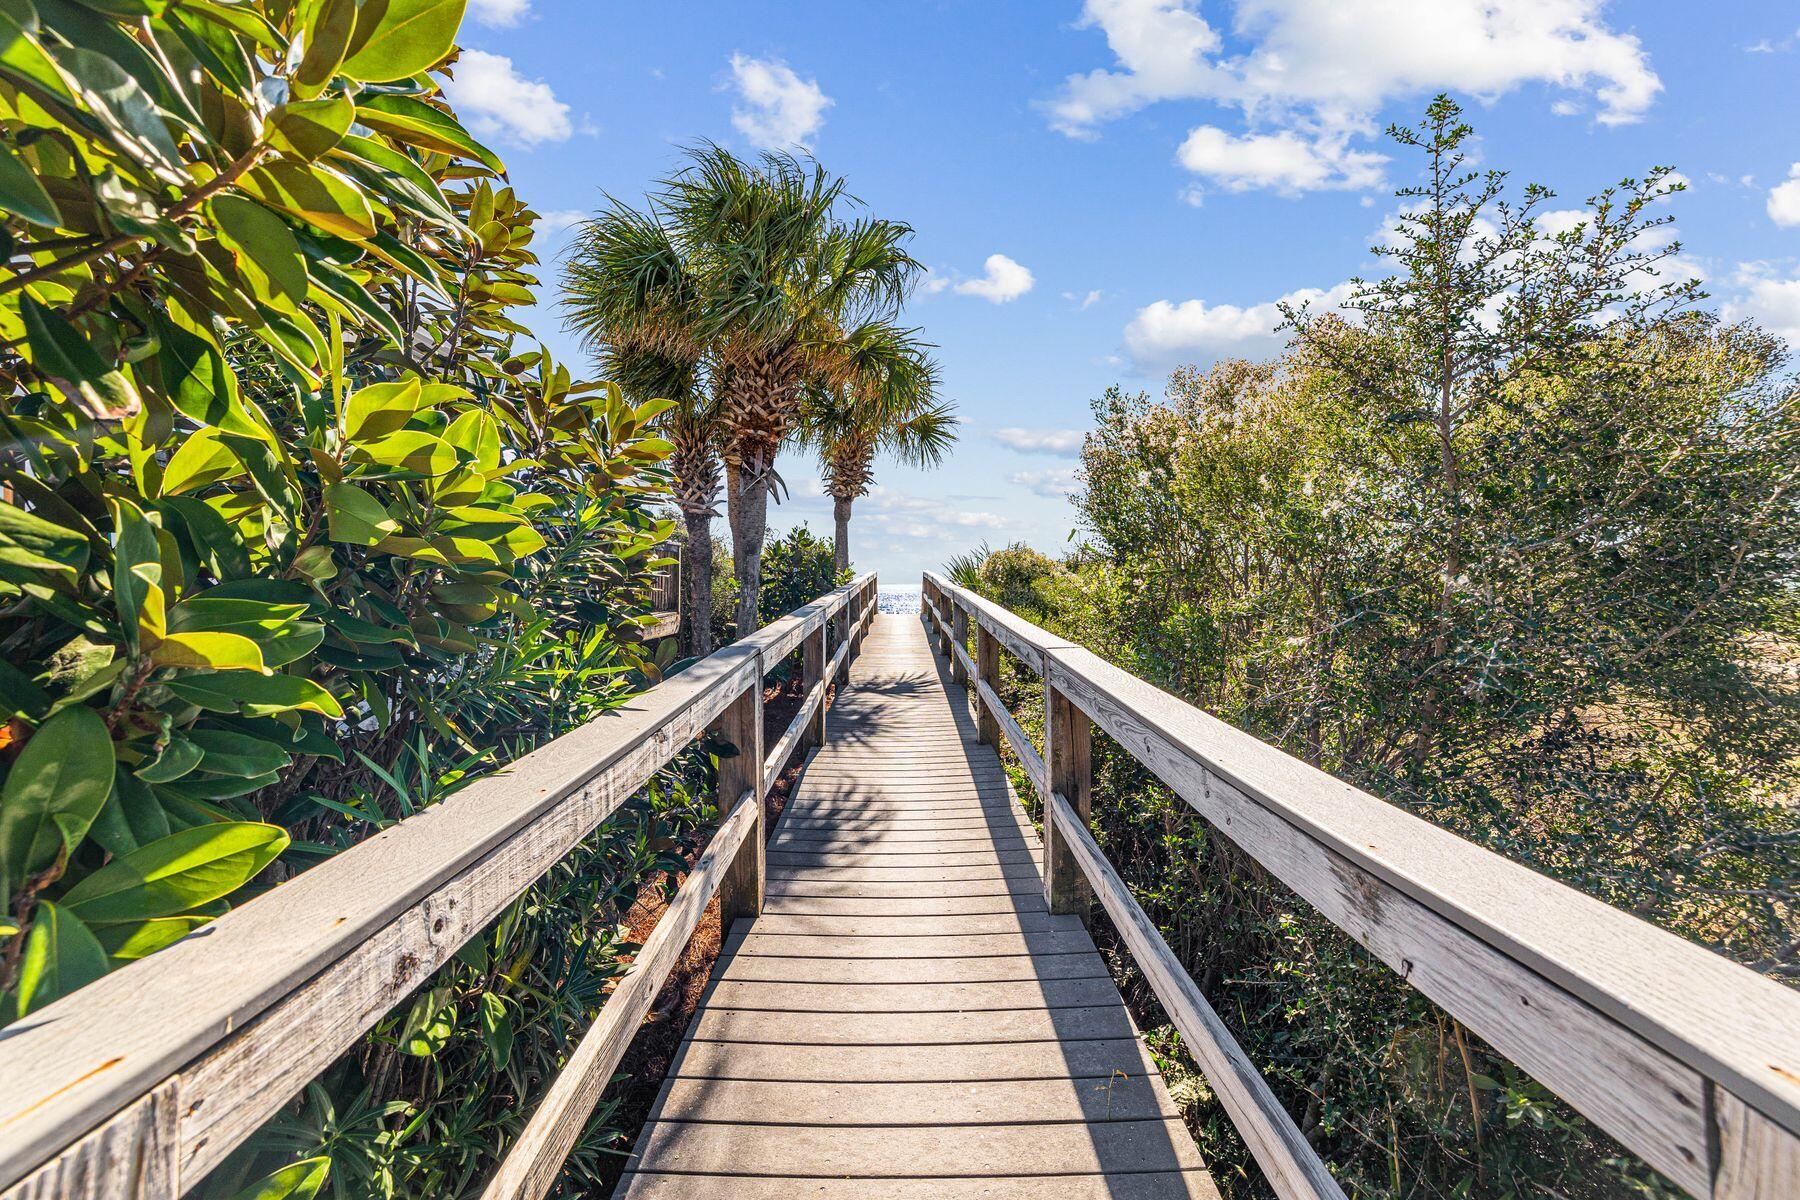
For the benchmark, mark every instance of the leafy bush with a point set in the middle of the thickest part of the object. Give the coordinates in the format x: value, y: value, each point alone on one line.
x: 1544, y: 602
x: 293, y: 540
x: 797, y: 568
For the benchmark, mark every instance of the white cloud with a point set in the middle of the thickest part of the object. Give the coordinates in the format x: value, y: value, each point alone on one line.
x: 560, y: 220
x: 502, y: 13
x: 1053, y: 484
x: 1319, y: 71
x: 1064, y: 443
x: 779, y: 110
x: 1284, y: 161
x: 1338, y: 61
x: 1004, y: 280
x: 1784, y: 200
x: 496, y: 102
x: 1162, y: 334
x: 1083, y: 302
x: 1771, y: 302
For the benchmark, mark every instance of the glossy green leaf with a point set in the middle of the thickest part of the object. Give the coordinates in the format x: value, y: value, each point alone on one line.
x: 176, y: 873
x: 356, y: 517
x: 54, y: 790
x: 22, y: 194
x: 255, y: 695
x: 267, y: 255
x: 61, y: 954
x: 380, y: 408
x: 309, y: 129
x: 419, y: 124
x: 315, y: 195
x: 397, y: 39
x: 296, y: 1181
x: 220, y: 651
x: 140, y: 939
x: 327, y: 39
x: 62, y: 355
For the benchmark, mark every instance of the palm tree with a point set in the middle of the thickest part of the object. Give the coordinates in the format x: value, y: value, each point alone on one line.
x: 781, y: 275
x: 634, y: 301
x: 886, y: 404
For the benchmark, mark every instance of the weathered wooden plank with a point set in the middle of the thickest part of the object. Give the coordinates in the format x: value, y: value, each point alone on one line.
x: 838, y: 1151
x: 1087, y: 991
x: 740, y: 726
x: 1029, y: 758
x: 133, y: 1156
x: 900, y: 927
x: 1758, y: 1160
x: 808, y: 885
x: 1093, y: 1059
x: 1288, y: 1161
x: 900, y: 861
x: 1068, y: 751
x: 749, y: 1102
x: 999, y: 968
x: 865, y: 874
x: 1144, y: 1185
x: 536, y: 1157
x: 898, y: 906
x: 1023, y: 640
x: 973, y: 945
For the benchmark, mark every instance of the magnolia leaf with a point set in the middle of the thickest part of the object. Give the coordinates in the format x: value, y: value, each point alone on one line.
x: 229, y: 752
x: 252, y: 695
x: 313, y: 194
x: 33, y: 550
x: 397, y: 39
x: 176, y: 873
x: 267, y: 255
x: 310, y: 129
x: 202, y: 459
x: 62, y: 355
x: 177, y: 758
x: 140, y: 939
x: 220, y: 651
x: 380, y: 408
x: 22, y: 194
x: 410, y: 450
x: 327, y: 37
x: 355, y: 517
x: 419, y: 124
x: 61, y: 954
x: 55, y: 789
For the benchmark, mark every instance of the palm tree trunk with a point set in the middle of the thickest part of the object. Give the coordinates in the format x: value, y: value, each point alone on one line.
x: 696, y: 585
x: 840, y: 513
x: 747, y: 496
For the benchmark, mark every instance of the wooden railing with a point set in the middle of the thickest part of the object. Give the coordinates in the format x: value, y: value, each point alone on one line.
x: 140, y: 1083
x: 1689, y: 1060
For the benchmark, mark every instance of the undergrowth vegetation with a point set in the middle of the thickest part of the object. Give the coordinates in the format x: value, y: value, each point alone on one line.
x: 1513, y: 548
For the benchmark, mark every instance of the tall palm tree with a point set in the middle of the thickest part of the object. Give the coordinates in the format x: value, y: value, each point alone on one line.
x: 634, y: 301
x: 781, y: 275
x: 886, y: 403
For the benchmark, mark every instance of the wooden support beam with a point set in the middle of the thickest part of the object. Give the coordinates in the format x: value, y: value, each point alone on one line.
x: 987, y: 675
x: 812, y: 676
x: 1068, y: 754
x: 959, y: 636
x: 741, y: 726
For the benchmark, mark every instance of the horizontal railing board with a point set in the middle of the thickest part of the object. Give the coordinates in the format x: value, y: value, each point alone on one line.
x: 1290, y: 1164
x: 370, y: 922
x: 1029, y: 758
x: 1624, y: 1020
x: 536, y: 1156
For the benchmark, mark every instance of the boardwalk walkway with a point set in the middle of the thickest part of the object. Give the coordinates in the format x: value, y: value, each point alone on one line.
x: 905, y: 1019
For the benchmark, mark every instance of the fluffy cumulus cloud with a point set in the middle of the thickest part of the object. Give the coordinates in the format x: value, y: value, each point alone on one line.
x: 1784, y: 199
x: 1323, y: 69
x: 1768, y: 299
x: 1284, y: 161
x: 1053, y: 484
x: 1002, y: 280
x: 1163, y: 334
x: 498, y: 103
x: 1064, y: 443
x: 776, y: 109
x: 502, y: 13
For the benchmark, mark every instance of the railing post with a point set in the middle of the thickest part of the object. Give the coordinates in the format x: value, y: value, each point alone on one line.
x: 987, y: 670
x: 959, y: 635
x: 1068, y: 747
x: 812, y: 675
x: 741, y: 724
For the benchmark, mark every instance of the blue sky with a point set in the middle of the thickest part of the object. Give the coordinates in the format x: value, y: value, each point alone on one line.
x: 1105, y: 189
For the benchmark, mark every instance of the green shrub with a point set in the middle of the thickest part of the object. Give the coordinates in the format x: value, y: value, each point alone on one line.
x: 293, y: 539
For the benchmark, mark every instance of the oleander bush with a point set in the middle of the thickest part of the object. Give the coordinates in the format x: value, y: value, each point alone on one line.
x: 299, y: 531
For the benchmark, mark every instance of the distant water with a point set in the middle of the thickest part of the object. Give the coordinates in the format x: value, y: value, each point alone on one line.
x: 900, y: 600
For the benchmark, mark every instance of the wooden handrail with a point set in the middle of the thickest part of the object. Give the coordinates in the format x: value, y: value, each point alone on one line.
x: 141, y: 1082
x: 1688, y: 1059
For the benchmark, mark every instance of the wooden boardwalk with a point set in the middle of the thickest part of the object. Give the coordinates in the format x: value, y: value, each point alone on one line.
x: 906, y: 1019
